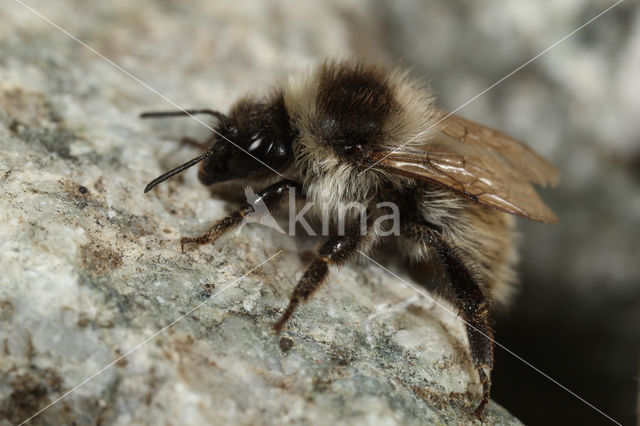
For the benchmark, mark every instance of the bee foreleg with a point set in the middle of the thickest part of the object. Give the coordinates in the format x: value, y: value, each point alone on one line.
x: 270, y: 196
x: 337, y: 250
x: 470, y: 301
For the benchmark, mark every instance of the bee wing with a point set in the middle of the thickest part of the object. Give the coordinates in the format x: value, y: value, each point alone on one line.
x: 480, y: 163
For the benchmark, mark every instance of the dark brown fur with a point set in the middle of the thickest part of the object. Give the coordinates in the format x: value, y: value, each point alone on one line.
x: 353, y: 104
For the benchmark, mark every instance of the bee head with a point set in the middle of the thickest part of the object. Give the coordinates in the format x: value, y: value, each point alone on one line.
x: 254, y: 140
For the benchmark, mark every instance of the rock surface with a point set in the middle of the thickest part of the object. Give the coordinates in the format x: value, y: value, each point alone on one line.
x: 92, y: 268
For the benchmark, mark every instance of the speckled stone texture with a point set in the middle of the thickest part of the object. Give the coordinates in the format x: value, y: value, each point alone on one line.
x: 91, y: 267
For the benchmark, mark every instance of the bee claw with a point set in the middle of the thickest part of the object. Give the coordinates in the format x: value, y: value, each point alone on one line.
x: 479, y: 411
x: 202, y: 239
x: 277, y: 327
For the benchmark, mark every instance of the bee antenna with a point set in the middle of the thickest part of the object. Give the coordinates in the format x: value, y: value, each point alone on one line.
x: 163, y: 114
x: 175, y: 171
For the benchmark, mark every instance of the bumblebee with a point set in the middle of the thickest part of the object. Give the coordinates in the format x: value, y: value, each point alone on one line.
x: 348, y: 131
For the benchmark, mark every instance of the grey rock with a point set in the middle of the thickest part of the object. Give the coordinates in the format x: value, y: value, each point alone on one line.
x: 92, y: 268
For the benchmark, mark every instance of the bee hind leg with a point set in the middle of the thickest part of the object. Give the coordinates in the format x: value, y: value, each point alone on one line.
x: 270, y: 196
x: 471, y: 302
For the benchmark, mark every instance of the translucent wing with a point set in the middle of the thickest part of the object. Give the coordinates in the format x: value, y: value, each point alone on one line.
x: 480, y: 163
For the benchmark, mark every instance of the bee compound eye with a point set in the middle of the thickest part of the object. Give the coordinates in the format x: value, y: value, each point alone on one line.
x: 256, y: 142
x: 352, y: 150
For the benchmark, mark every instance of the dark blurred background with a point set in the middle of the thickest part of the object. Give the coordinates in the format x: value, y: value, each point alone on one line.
x: 577, y: 313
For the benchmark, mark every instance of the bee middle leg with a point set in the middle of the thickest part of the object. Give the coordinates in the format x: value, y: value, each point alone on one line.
x: 270, y: 196
x: 337, y: 250
x: 470, y: 301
